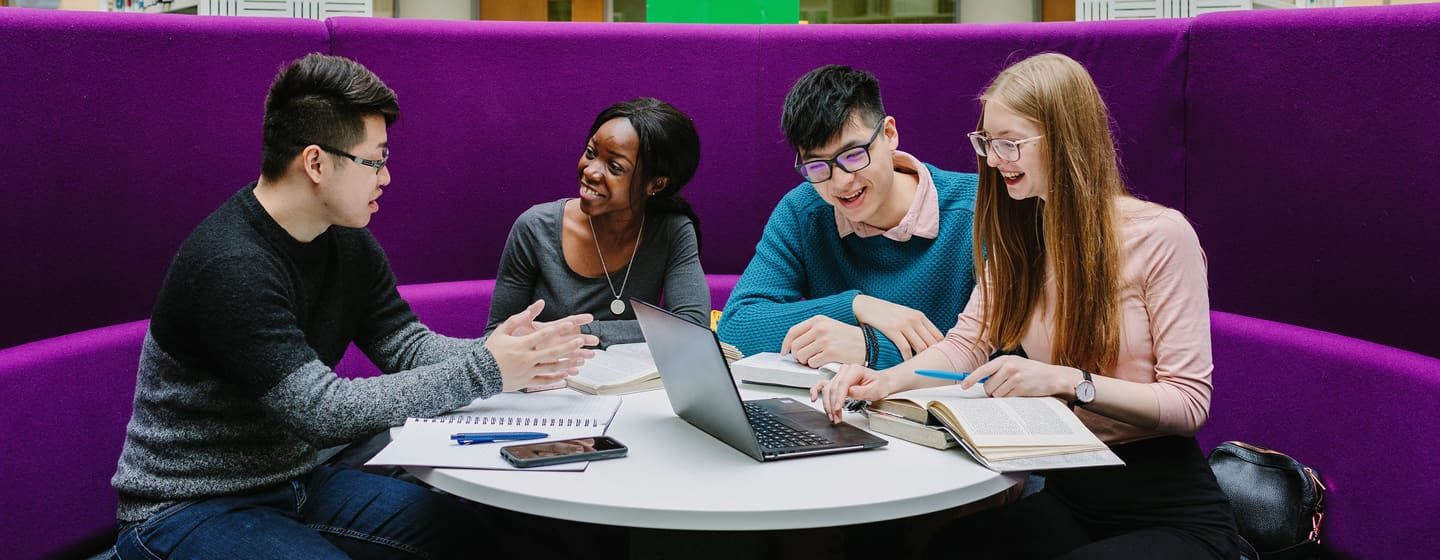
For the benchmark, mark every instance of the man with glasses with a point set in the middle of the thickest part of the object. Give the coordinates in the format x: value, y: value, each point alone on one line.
x: 236, y: 394
x: 869, y: 260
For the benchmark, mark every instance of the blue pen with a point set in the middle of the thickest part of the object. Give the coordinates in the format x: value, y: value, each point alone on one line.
x: 938, y: 374
x: 493, y: 437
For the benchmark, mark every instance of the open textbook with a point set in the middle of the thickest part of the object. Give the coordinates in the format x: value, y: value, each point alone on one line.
x: 425, y: 442
x: 621, y: 368
x: 625, y: 368
x: 1006, y: 434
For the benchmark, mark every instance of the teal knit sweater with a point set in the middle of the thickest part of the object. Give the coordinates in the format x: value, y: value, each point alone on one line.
x: 803, y: 268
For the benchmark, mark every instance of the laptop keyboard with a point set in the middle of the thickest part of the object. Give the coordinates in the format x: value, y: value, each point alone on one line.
x: 775, y: 434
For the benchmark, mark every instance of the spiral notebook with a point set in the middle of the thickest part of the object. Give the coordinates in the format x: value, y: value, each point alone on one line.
x: 425, y: 442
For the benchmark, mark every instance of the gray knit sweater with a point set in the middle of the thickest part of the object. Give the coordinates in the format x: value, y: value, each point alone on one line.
x: 235, y: 389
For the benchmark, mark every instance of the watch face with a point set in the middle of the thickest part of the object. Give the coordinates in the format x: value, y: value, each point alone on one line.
x: 1085, y: 392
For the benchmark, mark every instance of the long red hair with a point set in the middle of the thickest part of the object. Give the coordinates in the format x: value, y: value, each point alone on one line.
x: 1074, y: 230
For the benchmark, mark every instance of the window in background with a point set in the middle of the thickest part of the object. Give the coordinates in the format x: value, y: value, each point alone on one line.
x: 47, y: 4
x: 878, y: 11
x: 627, y: 10
x: 542, y: 10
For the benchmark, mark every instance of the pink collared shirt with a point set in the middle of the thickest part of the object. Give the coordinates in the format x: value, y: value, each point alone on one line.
x: 1164, y: 325
x: 923, y: 217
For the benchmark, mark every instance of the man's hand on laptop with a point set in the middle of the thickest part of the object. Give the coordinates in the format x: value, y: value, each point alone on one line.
x: 820, y: 340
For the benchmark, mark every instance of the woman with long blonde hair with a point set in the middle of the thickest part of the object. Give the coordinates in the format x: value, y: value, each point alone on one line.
x: 1106, y: 296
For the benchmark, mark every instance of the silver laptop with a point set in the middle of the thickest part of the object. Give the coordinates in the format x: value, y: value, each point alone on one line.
x: 697, y: 379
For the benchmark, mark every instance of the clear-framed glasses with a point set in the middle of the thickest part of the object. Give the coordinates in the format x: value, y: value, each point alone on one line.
x: 1008, y: 150
x: 378, y: 164
x: 851, y: 160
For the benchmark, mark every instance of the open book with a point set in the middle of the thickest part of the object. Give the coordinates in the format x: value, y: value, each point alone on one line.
x: 425, y: 442
x: 1007, y: 434
x: 773, y: 368
x: 625, y: 368
x: 621, y: 368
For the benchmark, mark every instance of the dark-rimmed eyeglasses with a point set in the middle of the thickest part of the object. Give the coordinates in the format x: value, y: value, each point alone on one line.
x: 851, y: 160
x: 378, y: 164
x: 1008, y: 150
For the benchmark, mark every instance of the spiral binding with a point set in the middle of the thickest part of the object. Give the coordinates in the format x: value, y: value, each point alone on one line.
x: 513, y: 421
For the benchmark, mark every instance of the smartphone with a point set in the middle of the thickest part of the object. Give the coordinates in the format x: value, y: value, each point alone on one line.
x: 563, y: 451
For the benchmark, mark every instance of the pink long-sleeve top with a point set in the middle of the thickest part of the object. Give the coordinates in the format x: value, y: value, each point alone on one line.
x: 1164, y: 324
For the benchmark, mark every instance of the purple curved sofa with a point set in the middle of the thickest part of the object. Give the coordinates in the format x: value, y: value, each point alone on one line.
x: 1273, y: 131
x: 1360, y: 413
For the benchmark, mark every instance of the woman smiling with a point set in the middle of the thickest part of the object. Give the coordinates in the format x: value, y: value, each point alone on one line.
x: 628, y: 234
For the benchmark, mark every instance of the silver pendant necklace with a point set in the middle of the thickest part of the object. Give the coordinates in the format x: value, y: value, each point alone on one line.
x: 618, y: 306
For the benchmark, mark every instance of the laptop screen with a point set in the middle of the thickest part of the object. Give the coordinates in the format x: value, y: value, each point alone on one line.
x: 696, y: 377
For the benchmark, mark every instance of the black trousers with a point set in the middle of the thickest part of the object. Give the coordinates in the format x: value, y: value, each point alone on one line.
x: 1164, y: 503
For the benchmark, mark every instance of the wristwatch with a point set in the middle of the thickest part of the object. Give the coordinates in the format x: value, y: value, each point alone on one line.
x: 1084, y: 390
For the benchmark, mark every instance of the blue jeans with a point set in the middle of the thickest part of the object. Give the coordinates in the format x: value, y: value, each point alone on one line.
x: 331, y: 512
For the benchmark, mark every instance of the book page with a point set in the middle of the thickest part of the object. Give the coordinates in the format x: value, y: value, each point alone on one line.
x: 638, y: 350
x: 1097, y: 458
x: 923, y: 397
x: 1020, y: 421
x: 1102, y: 457
x: 610, y: 367
x: 912, y: 404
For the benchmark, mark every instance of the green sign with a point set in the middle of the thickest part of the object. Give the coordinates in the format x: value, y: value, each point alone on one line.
x: 726, y: 11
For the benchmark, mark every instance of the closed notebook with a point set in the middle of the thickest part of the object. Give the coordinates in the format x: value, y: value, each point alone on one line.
x: 1013, y: 433
x: 425, y: 442
x: 621, y: 368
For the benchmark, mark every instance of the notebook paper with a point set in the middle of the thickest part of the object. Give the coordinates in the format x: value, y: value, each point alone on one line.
x: 425, y: 442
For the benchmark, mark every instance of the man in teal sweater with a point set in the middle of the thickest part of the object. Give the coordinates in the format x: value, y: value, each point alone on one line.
x: 868, y: 259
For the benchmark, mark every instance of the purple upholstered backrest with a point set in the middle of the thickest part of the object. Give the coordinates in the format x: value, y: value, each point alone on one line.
x: 495, y: 114
x: 120, y: 133
x: 66, y: 403
x: 931, y: 76
x: 1362, y: 414
x: 1312, y: 171
x: 112, y: 157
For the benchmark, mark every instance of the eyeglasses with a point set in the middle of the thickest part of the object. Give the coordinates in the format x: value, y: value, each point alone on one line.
x: 378, y: 164
x: 1008, y: 150
x: 851, y: 160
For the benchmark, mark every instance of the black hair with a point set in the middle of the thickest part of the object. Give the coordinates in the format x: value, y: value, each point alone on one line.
x: 669, y: 148
x: 823, y: 101
x: 320, y: 99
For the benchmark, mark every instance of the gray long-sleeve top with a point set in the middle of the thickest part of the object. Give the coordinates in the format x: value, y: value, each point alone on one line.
x: 533, y: 267
x: 235, y: 390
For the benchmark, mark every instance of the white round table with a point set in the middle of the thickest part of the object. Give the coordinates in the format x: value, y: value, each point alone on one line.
x: 678, y: 477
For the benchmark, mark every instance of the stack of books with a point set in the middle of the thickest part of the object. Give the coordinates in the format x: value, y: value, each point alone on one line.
x: 909, y: 422
x: 731, y: 353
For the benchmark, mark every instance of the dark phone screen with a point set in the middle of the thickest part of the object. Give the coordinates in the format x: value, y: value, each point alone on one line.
x: 563, y: 447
